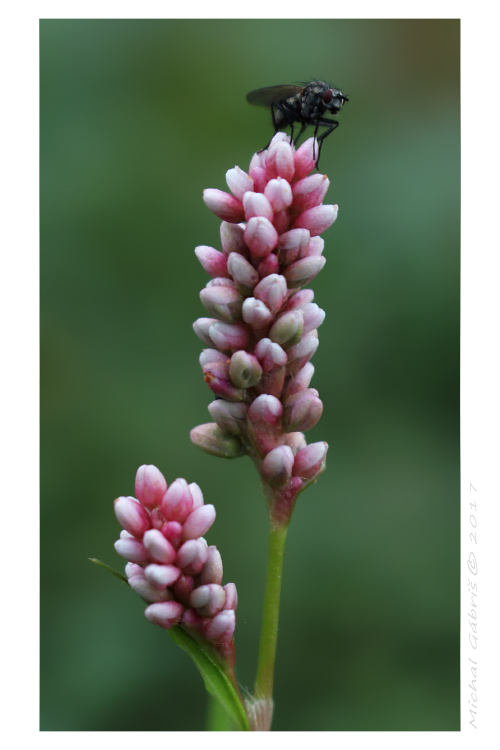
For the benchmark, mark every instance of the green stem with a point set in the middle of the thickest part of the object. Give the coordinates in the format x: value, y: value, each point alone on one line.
x: 269, y: 634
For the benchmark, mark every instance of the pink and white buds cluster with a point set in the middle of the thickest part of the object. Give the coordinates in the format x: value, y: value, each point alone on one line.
x: 262, y: 326
x: 170, y: 565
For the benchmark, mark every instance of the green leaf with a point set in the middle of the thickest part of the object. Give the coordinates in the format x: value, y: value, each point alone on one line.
x: 217, y: 719
x: 216, y: 681
x: 114, y: 572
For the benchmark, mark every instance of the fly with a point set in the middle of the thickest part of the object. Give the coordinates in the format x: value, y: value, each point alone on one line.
x: 306, y: 104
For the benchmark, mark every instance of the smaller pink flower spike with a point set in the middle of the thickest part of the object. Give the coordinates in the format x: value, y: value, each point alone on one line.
x: 165, y: 614
x: 150, y: 486
x: 223, y: 205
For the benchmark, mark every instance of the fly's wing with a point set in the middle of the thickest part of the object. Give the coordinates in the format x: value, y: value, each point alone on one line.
x: 266, y: 96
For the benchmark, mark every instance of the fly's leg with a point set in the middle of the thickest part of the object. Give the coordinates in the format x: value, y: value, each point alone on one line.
x: 282, y: 107
x: 331, y: 125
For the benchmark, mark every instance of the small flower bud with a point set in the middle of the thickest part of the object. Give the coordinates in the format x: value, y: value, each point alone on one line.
x: 242, y: 271
x: 220, y: 629
x: 272, y: 382
x: 287, y: 330
x: 132, y: 570
x: 164, y: 614
x: 296, y: 441
x: 272, y: 290
x: 300, y: 354
x: 212, y: 570
x: 310, y: 461
x: 231, y: 596
x: 310, y: 191
x: 192, y: 556
x: 256, y: 204
x: 148, y: 592
x: 132, y: 516
x: 213, y: 261
x: 159, y: 548
x: 313, y: 317
x: 260, y: 236
x: 182, y: 589
x: 316, y: 246
x: 279, y: 194
x: 172, y: 531
x: 223, y: 205
x: 150, y: 486
x: 268, y: 266
x: 277, y: 466
x: 280, y: 160
x: 198, y: 523
x: 132, y: 549
x: 229, y: 336
x: 270, y: 355
x: 201, y: 327
x: 293, y: 245
x: 161, y: 575
x: 299, y: 382
x: 256, y: 314
x: 303, y: 271
x: 300, y: 299
x: 229, y: 415
x: 317, y: 219
x: 211, y: 439
x: 222, y: 302
x: 217, y: 378
x: 212, y: 355
x: 197, y: 495
x: 244, y: 369
x: 238, y: 182
x: 267, y: 409
x: 207, y: 600
x: 305, y: 158
x: 177, y: 502
x: 231, y: 236
x: 302, y: 411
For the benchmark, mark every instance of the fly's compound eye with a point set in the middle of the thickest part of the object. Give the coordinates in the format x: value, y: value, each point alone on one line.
x: 327, y: 96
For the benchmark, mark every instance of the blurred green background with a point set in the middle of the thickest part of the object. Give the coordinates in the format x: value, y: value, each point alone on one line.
x: 137, y: 117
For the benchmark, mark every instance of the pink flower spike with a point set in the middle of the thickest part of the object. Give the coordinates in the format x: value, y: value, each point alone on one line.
x: 213, y: 261
x: 201, y: 327
x: 256, y: 314
x: 310, y: 191
x: 279, y: 194
x: 267, y: 409
x: 177, y: 502
x: 198, y: 522
x: 260, y: 236
x: 245, y: 370
x: 192, y: 556
x: 207, y: 600
x: 277, y: 466
x: 197, y: 495
x: 317, y: 219
x: 172, y: 531
x: 305, y: 158
x: 223, y: 205
x: 268, y: 266
x: 270, y: 355
x: 162, y: 575
x: 293, y: 245
x: 228, y: 415
x: 132, y: 550
x: 280, y: 161
x: 238, y: 182
x: 302, y: 411
x: 316, y: 246
x: 313, y: 317
x: 310, y: 461
x: 222, y: 302
x: 132, y: 516
x: 231, y: 236
x: 159, y: 548
x: 303, y: 271
x: 272, y: 290
x: 164, y: 614
x: 212, y: 570
x: 256, y: 204
x: 150, y: 486
x: 220, y: 629
x: 229, y: 336
x: 231, y: 596
x: 242, y: 271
